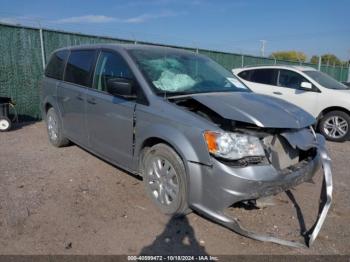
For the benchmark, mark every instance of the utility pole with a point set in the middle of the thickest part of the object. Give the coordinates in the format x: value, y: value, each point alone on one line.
x: 262, y: 51
x: 319, y: 63
x: 43, y: 60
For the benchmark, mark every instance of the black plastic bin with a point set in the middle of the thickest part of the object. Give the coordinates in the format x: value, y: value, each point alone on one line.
x: 5, y: 106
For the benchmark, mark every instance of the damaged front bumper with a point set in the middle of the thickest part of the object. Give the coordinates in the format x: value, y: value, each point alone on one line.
x: 213, y: 189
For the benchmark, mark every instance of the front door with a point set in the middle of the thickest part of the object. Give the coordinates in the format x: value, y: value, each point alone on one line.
x: 109, y: 118
x: 289, y: 88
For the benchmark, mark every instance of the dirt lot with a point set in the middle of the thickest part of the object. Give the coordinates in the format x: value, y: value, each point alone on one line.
x: 67, y: 201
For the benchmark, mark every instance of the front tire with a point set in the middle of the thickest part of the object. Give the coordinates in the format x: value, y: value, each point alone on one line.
x: 164, y: 177
x: 54, y: 129
x: 335, y: 126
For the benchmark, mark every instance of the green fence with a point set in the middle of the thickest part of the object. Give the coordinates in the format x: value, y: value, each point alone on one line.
x: 21, y: 66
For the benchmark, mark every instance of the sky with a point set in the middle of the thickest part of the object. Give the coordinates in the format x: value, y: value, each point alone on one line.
x: 314, y: 27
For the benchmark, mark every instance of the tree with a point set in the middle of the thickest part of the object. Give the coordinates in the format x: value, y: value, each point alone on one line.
x: 330, y: 59
x: 327, y: 59
x: 314, y: 59
x: 289, y: 55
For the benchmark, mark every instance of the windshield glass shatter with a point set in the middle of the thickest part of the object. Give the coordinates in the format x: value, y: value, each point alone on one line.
x: 175, y: 73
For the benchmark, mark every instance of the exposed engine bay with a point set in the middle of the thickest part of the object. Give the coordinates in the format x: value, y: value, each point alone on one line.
x: 279, y: 151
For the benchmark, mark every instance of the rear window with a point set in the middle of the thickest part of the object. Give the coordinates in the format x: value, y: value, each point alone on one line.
x: 55, y: 67
x: 79, y: 66
x: 264, y: 76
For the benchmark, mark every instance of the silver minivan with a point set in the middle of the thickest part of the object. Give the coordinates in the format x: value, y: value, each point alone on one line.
x: 197, y: 135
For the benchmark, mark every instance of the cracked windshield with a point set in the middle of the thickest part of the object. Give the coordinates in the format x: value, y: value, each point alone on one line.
x: 175, y: 73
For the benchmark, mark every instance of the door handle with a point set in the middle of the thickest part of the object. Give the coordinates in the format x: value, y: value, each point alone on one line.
x: 92, y: 101
x: 277, y: 93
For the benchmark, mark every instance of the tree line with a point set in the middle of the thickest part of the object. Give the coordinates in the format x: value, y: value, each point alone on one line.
x: 328, y: 59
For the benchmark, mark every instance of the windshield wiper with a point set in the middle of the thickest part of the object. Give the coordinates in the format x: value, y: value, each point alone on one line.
x: 198, y: 93
x: 166, y: 94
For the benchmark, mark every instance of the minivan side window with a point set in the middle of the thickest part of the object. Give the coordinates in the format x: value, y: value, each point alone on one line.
x: 290, y: 79
x: 264, y: 76
x: 79, y: 66
x: 55, y: 67
x: 110, y: 65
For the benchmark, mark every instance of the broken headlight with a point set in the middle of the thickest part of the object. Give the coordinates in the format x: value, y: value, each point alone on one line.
x: 233, y: 145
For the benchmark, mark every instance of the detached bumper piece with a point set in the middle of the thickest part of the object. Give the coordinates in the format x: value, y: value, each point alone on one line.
x: 326, y: 199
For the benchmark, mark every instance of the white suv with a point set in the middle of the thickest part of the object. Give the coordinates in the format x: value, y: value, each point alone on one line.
x: 323, y: 97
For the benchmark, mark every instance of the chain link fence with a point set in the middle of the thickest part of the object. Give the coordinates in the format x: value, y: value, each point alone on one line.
x: 24, y: 50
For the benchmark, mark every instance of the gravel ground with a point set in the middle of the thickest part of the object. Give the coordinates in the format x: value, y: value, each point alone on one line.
x: 67, y: 201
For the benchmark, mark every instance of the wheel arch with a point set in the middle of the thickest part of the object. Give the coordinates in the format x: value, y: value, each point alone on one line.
x: 47, y: 106
x: 185, y: 147
x: 330, y: 109
x: 48, y: 103
x: 152, y: 141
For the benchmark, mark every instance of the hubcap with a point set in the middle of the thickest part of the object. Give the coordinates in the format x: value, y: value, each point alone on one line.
x: 335, y: 127
x: 52, y: 127
x: 4, y: 124
x: 162, y: 181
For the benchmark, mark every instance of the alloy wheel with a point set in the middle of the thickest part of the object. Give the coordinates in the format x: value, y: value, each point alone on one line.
x: 335, y: 127
x: 52, y: 127
x: 163, y: 181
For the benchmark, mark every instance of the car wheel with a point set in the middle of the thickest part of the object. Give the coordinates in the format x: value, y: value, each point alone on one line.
x: 164, y: 177
x: 5, y: 124
x: 335, y: 126
x: 54, y: 129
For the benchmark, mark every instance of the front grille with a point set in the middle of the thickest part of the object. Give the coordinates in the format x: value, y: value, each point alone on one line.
x: 246, y: 161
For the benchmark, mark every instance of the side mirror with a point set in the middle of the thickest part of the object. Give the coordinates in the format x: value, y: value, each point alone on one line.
x: 120, y: 87
x: 306, y: 85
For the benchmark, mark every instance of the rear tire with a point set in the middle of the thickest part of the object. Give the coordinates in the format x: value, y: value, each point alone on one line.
x: 54, y: 129
x: 165, y: 182
x: 335, y: 126
x: 5, y: 124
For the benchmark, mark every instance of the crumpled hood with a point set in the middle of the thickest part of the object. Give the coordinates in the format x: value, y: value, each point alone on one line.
x: 261, y: 110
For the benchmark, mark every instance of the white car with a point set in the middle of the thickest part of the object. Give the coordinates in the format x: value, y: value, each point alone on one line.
x: 317, y: 93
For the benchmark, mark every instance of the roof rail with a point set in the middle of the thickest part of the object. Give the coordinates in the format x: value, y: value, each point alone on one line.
x: 277, y: 64
x: 257, y: 65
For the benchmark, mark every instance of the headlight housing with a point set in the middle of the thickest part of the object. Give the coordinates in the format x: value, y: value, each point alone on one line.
x: 233, y: 145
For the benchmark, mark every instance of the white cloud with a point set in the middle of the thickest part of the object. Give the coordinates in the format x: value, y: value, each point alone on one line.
x: 86, y: 19
x: 97, y: 19
x: 8, y: 20
x: 19, y: 20
x: 145, y: 17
